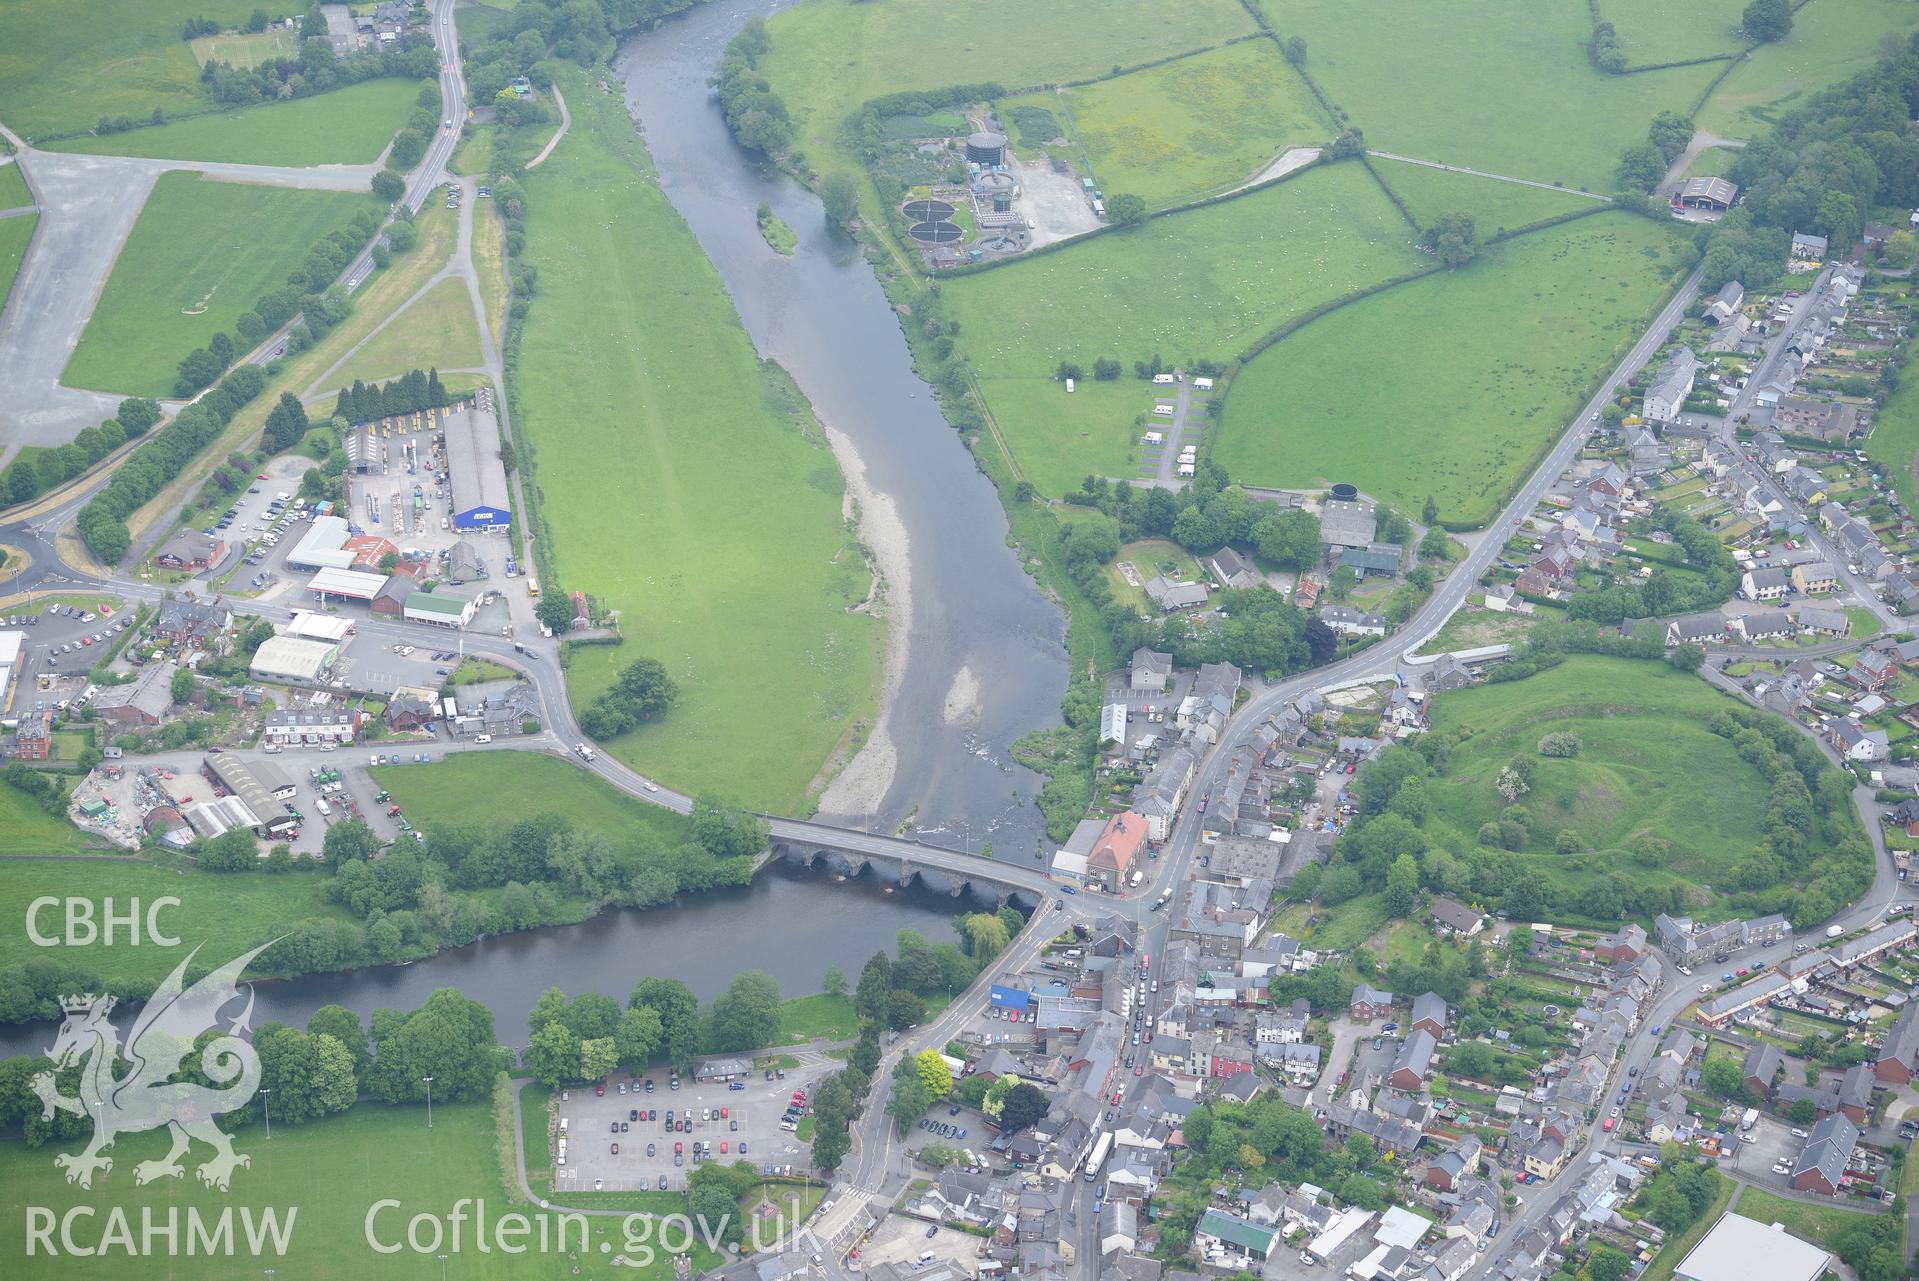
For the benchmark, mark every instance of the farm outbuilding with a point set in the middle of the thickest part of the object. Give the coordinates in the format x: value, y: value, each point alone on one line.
x: 1708, y: 193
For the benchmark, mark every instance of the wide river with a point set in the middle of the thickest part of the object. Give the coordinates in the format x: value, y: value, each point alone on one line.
x: 977, y: 618
x: 822, y: 315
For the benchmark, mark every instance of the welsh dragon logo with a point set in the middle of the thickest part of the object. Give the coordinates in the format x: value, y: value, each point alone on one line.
x: 147, y: 1096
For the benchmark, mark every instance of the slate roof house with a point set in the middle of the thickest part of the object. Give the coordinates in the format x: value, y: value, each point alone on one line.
x: 1347, y: 524
x: 1666, y: 394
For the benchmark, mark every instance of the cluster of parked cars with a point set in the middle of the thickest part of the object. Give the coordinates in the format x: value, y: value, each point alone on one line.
x: 942, y: 1129
x: 100, y: 637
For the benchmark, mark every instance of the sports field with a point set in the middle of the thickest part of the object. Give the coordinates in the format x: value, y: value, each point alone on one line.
x: 1646, y: 764
x: 247, y: 49
x: 1495, y: 206
x: 1499, y: 85
x: 349, y: 126
x: 328, y: 1175
x: 1197, y: 125
x: 13, y: 188
x: 62, y: 69
x: 1449, y: 385
x: 510, y: 786
x: 1201, y: 284
x: 1653, y: 31
x: 829, y: 56
x: 200, y: 253
x: 684, y: 484
x: 437, y: 332
x: 1830, y: 40
x: 228, y: 912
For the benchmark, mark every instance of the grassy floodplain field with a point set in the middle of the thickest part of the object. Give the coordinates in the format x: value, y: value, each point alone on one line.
x: 1197, y: 125
x: 518, y: 784
x: 1499, y: 85
x: 1488, y: 362
x: 203, y: 246
x: 230, y: 912
x: 1197, y: 284
x: 349, y: 126
x: 1830, y: 40
x: 829, y: 56
x: 1647, y: 764
x: 333, y: 1171
x: 1495, y: 206
x: 683, y: 483
x: 437, y: 331
x: 61, y: 71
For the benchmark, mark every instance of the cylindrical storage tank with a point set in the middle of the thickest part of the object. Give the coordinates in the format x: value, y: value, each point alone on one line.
x: 1344, y: 493
x: 986, y: 148
x: 1002, y: 204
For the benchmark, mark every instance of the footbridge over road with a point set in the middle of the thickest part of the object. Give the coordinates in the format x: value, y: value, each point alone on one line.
x: 851, y: 853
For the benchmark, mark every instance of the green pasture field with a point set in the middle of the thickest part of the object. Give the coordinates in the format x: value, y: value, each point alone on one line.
x: 200, y: 244
x: 25, y: 828
x: 437, y: 331
x: 1495, y: 206
x: 1194, y: 126
x: 1651, y: 31
x: 1712, y: 162
x: 1499, y: 85
x: 15, y: 233
x: 1830, y: 40
x: 1449, y: 385
x: 515, y: 785
x: 329, y: 1173
x: 346, y: 126
x: 13, y: 188
x: 229, y: 911
x: 1647, y: 764
x: 830, y: 56
x: 685, y: 484
x: 1201, y: 284
x: 1894, y: 442
x: 62, y: 69
x: 247, y: 49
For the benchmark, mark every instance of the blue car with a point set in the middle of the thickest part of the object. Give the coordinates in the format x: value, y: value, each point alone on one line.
x: 735, y: 1085
x: 1067, y: 889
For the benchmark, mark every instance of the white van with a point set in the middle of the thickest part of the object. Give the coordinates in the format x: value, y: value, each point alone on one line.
x: 321, y: 805
x: 562, y: 1125
x: 1162, y: 380
x: 483, y: 738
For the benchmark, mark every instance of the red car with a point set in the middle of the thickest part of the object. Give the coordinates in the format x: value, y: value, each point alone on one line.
x: 722, y: 1114
x: 1610, y: 1122
x: 722, y: 1147
x: 678, y: 1148
x: 600, y: 1090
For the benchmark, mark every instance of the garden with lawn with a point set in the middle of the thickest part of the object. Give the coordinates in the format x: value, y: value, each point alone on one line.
x: 1453, y: 384
x: 1201, y: 284
x: 1193, y: 126
x: 201, y: 252
x: 349, y: 126
x: 687, y: 484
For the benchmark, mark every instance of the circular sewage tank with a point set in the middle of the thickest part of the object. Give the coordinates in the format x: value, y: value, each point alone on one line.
x: 927, y: 210
x: 935, y: 233
x: 1343, y: 492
